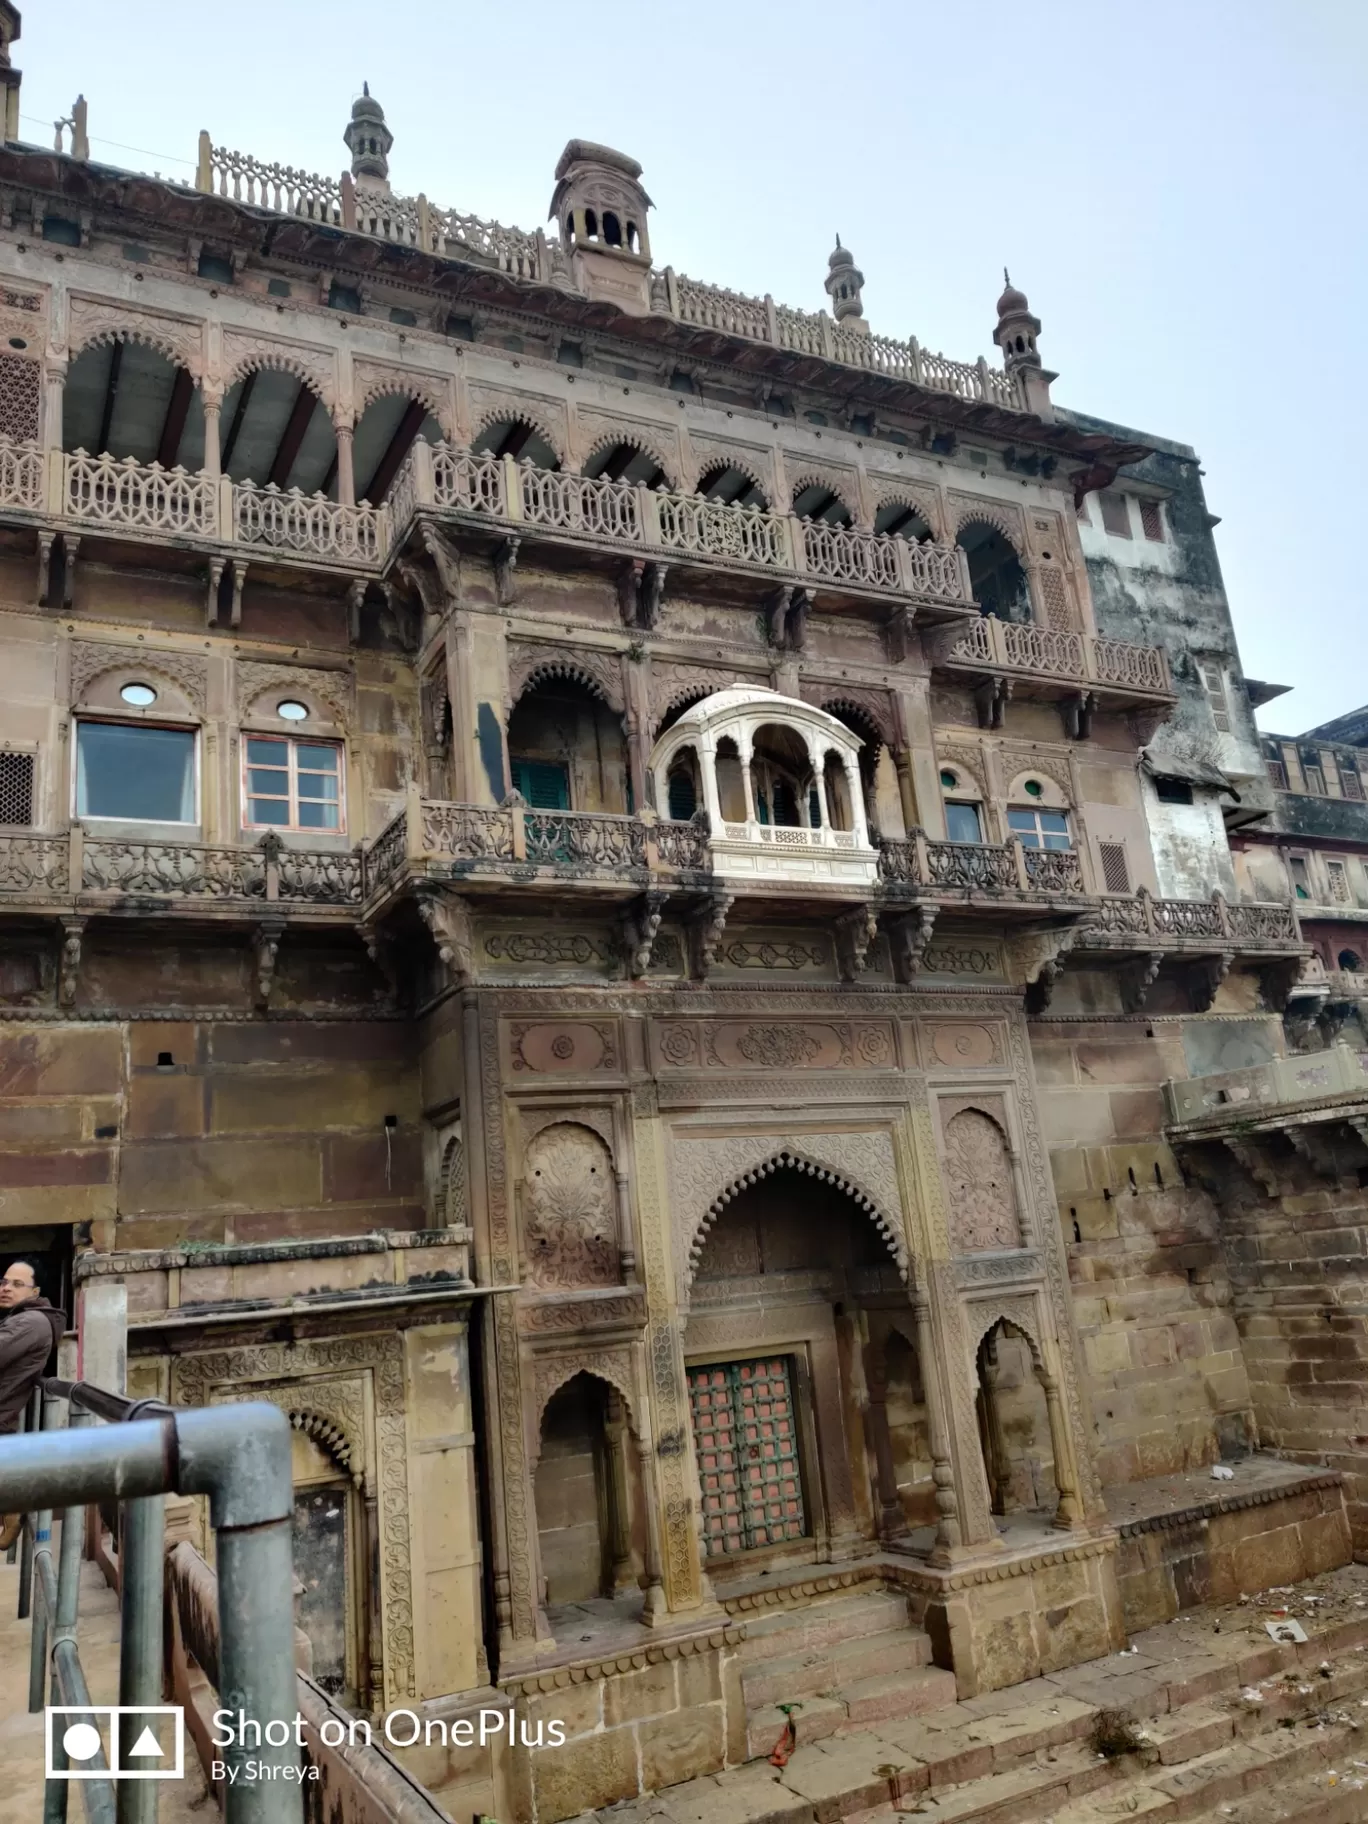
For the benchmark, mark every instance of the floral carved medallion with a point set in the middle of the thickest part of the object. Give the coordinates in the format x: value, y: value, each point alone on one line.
x: 570, y: 1225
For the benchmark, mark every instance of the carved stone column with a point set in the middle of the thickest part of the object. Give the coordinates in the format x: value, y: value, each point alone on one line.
x: 54, y: 392
x: 948, y: 1532
x: 619, y: 1506
x: 655, y: 1607
x: 1069, y: 1513
x: 892, y: 1520
x: 346, y: 473
x: 995, y: 1453
x: 213, y: 448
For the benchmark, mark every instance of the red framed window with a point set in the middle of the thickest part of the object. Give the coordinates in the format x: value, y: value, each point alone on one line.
x: 292, y: 785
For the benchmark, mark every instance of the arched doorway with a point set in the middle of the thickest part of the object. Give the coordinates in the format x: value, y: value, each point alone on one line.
x: 814, y: 1435
x: 1022, y: 1430
x: 567, y: 750
x: 996, y: 575
x: 589, y: 1502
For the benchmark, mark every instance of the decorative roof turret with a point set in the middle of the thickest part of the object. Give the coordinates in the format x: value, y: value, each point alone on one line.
x: 600, y: 209
x: 9, y: 76
x: 844, y: 283
x: 368, y: 140
x: 1015, y: 335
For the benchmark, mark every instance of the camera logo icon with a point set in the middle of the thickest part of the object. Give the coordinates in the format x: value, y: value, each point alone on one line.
x: 91, y: 1744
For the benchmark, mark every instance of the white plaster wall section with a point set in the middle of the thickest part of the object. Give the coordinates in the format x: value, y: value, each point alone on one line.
x: 1191, y: 854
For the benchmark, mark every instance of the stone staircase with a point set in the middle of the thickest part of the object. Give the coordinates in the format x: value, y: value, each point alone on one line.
x: 1236, y: 1729
x: 844, y: 1661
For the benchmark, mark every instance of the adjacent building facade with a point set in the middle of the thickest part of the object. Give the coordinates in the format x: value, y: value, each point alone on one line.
x: 600, y: 880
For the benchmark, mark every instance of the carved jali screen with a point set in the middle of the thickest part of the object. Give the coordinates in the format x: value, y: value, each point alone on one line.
x: 745, y: 1438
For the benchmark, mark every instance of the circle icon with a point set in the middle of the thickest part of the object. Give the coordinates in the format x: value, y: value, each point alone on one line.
x: 81, y: 1741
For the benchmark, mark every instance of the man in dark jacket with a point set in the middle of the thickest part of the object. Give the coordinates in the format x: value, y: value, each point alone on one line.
x: 30, y: 1328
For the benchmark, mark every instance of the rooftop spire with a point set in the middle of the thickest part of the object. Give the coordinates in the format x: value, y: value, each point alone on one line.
x: 368, y: 140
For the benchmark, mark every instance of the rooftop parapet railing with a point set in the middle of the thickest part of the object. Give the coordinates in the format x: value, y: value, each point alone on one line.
x: 1082, y: 658
x: 237, y: 1455
x: 415, y: 222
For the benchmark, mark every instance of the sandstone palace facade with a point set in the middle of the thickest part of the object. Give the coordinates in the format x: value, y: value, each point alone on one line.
x: 600, y: 884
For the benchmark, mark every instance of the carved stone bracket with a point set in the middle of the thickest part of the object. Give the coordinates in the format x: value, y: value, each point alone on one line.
x: 1077, y: 714
x: 705, y: 932
x: 266, y: 948
x: 1038, y: 957
x: 69, y: 961
x: 1250, y: 1155
x: 908, y: 937
x: 356, y: 595
x: 446, y: 562
x: 855, y: 932
x: 639, y: 928
x: 505, y: 564
x: 448, y: 918
x: 45, y: 543
x: 217, y: 565
x: 786, y: 614
x: 991, y: 698
x: 1205, y: 977
x: 1137, y: 977
x: 1277, y: 980
x: 640, y: 588
x: 1317, y: 1146
x: 383, y: 951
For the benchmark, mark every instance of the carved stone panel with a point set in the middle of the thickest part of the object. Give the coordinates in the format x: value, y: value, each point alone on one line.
x: 982, y: 1193
x: 569, y: 1213
x: 964, y: 1045
x: 965, y: 958
x: 577, y: 1047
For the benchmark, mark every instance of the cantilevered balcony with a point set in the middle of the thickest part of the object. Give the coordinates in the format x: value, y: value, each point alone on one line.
x: 1039, y: 661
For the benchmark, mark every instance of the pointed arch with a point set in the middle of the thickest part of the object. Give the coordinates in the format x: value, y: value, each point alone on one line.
x: 602, y: 1366
x: 331, y: 1439
x: 1016, y: 1315
x: 791, y: 1159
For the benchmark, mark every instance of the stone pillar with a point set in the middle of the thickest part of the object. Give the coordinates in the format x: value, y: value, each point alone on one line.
x: 54, y: 392
x: 619, y: 1506
x: 995, y: 1454
x: 213, y: 448
x: 1069, y: 1513
x: 102, y: 1329
x: 918, y: 769
x: 346, y: 474
x: 655, y: 1606
x: 948, y: 1532
x: 892, y: 1521
x: 745, y: 749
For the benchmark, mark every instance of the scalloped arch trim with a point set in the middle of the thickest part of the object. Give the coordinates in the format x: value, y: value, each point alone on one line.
x: 330, y: 1438
x: 106, y: 334
x: 811, y: 1168
x: 596, y: 1370
x: 406, y: 386
x: 718, y: 465
x: 565, y: 668
x: 841, y: 486
x: 282, y: 362
x: 985, y: 516
x: 631, y: 435
x: 986, y: 1317
x: 533, y: 421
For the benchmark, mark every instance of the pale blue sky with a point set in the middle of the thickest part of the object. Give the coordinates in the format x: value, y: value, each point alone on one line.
x: 1178, y: 185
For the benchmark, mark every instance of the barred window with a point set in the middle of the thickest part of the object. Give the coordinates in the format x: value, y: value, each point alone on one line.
x: 16, y: 789
x: 1115, y: 873
x: 1152, y: 520
x: 19, y: 382
x: 1338, y: 875
x: 1213, y: 683
x: 1351, y: 780
x: 1277, y: 772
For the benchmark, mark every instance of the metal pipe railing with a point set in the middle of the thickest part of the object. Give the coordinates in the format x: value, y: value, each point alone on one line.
x: 239, y: 1456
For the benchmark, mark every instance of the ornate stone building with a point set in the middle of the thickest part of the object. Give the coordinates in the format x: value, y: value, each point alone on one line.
x: 576, y: 848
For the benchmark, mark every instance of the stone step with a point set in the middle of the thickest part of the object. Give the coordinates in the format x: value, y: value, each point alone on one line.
x: 821, y: 1667
x: 821, y: 1622
x: 887, y: 1696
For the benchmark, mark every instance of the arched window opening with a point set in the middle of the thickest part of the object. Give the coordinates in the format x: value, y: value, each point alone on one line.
x: 1014, y: 1425
x: 682, y: 787
x: 385, y: 433
x: 963, y: 813
x: 567, y: 749
x: 330, y: 1562
x: 516, y: 438
x: 731, y: 486
x: 612, y: 229
x: 590, y: 225
x: 588, y: 1499
x: 275, y: 429
x: 839, y: 811
x: 781, y: 778
x: 625, y: 462
x: 125, y: 399
x: 731, y: 785
x: 1350, y: 960
x: 995, y: 573
x: 570, y: 230
x: 818, y: 502
x: 633, y: 238
x: 899, y: 520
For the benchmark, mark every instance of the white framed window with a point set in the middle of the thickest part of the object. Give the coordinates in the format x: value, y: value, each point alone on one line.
x: 963, y: 819
x: 1039, y: 828
x: 1214, y: 684
x: 290, y: 784
x: 136, y: 772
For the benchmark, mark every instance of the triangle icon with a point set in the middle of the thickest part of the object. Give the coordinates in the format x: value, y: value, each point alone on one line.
x: 147, y: 1744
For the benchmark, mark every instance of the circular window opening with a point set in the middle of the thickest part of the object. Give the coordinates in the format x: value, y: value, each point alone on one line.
x: 1034, y: 789
x: 141, y: 696
x: 291, y: 711
x: 949, y: 781
x: 17, y: 342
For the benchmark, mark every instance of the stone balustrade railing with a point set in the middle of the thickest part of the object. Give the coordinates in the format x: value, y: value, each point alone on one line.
x: 655, y: 522
x: 541, y: 258
x: 981, y: 867
x: 1216, y: 922
x: 38, y: 866
x: 429, y: 833
x: 1081, y: 658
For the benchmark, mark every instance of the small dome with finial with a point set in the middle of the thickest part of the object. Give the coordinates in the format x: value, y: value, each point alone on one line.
x: 368, y: 139
x: 1012, y: 302
x: 844, y: 283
